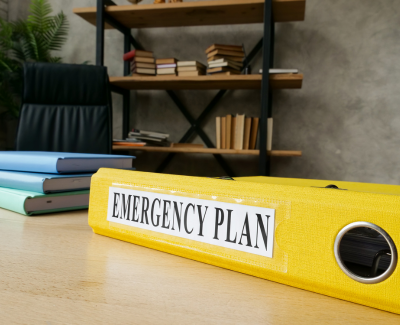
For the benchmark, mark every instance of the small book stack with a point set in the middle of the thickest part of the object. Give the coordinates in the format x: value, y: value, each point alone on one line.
x: 224, y: 59
x: 239, y: 132
x: 129, y: 142
x: 191, y: 68
x: 37, y: 182
x: 142, y: 62
x: 166, y: 66
x: 151, y: 138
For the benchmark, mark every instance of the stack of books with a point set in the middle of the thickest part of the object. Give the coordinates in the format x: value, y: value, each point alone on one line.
x: 129, y: 142
x: 37, y: 182
x: 142, y: 62
x: 224, y: 59
x: 191, y: 68
x: 151, y: 138
x: 239, y: 132
x: 166, y: 66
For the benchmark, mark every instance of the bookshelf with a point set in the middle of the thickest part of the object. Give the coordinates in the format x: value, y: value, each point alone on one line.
x: 108, y: 15
x: 277, y: 81
x: 197, y: 13
x: 275, y: 153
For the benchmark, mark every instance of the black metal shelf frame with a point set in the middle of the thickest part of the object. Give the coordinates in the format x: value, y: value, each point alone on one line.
x: 266, y: 94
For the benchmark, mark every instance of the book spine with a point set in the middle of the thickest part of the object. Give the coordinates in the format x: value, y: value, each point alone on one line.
x: 35, y: 164
x: 269, y: 135
x: 239, y: 133
x: 228, y: 131
x: 247, y: 127
x: 253, y: 133
x: 223, y: 132
x: 26, y: 184
x: 218, y: 131
x: 13, y: 202
x: 233, y: 130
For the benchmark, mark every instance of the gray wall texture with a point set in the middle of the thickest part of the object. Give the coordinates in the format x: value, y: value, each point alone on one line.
x: 4, y: 9
x: 345, y: 119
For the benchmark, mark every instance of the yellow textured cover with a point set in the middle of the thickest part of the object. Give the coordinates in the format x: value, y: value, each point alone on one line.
x: 307, y: 220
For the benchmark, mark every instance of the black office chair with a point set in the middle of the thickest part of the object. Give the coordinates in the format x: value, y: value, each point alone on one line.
x: 65, y: 108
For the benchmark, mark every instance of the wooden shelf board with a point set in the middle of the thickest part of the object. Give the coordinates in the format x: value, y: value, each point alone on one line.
x: 277, y: 81
x: 276, y: 153
x: 198, y: 13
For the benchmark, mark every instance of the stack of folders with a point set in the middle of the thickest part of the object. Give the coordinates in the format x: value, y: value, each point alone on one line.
x: 150, y: 138
x: 37, y: 182
x: 166, y: 66
x: 191, y: 68
x: 240, y: 132
x: 224, y: 59
x: 142, y: 62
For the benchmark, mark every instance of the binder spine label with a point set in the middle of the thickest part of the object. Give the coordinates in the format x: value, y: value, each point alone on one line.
x: 240, y: 227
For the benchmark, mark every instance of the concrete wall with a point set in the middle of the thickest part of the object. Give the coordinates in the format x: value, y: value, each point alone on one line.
x: 345, y: 119
x: 4, y: 9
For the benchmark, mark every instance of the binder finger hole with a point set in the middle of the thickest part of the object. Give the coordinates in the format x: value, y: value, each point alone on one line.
x: 365, y: 252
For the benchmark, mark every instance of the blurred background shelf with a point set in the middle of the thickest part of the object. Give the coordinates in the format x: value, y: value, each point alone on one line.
x: 198, y: 13
x: 277, y: 81
x: 124, y: 18
x: 275, y: 153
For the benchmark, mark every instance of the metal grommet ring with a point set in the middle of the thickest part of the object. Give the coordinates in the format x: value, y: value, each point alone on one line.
x: 385, y: 235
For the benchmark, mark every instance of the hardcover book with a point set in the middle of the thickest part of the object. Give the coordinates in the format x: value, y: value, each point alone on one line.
x: 191, y: 73
x: 236, y: 48
x: 166, y: 71
x: 224, y: 64
x: 218, y: 132
x: 137, y: 53
x: 142, y: 65
x: 163, y: 66
x: 60, y: 162
x: 223, y: 69
x: 194, y: 68
x: 44, y: 183
x: 32, y: 203
x: 231, y: 58
x: 239, y: 131
x: 167, y: 61
x: 225, y: 53
x: 226, y: 60
x: 144, y: 71
x: 191, y: 64
x: 143, y: 59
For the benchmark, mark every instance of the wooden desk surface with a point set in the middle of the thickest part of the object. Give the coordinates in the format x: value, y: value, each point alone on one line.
x: 55, y: 270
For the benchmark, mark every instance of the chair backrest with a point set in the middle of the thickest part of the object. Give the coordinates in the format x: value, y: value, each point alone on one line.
x: 65, y: 108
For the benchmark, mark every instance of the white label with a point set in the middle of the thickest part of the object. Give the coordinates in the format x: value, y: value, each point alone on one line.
x: 240, y: 227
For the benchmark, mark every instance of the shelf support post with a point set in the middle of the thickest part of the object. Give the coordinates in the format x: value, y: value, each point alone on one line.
x: 270, y: 93
x: 100, y: 33
x: 126, y: 98
x: 196, y: 127
x: 127, y: 94
x: 265, y: 89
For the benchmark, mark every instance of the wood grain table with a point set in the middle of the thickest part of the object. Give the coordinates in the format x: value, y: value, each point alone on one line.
x: 55, y: 270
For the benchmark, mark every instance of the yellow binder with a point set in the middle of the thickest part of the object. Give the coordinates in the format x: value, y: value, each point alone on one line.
x: 284, y: 230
